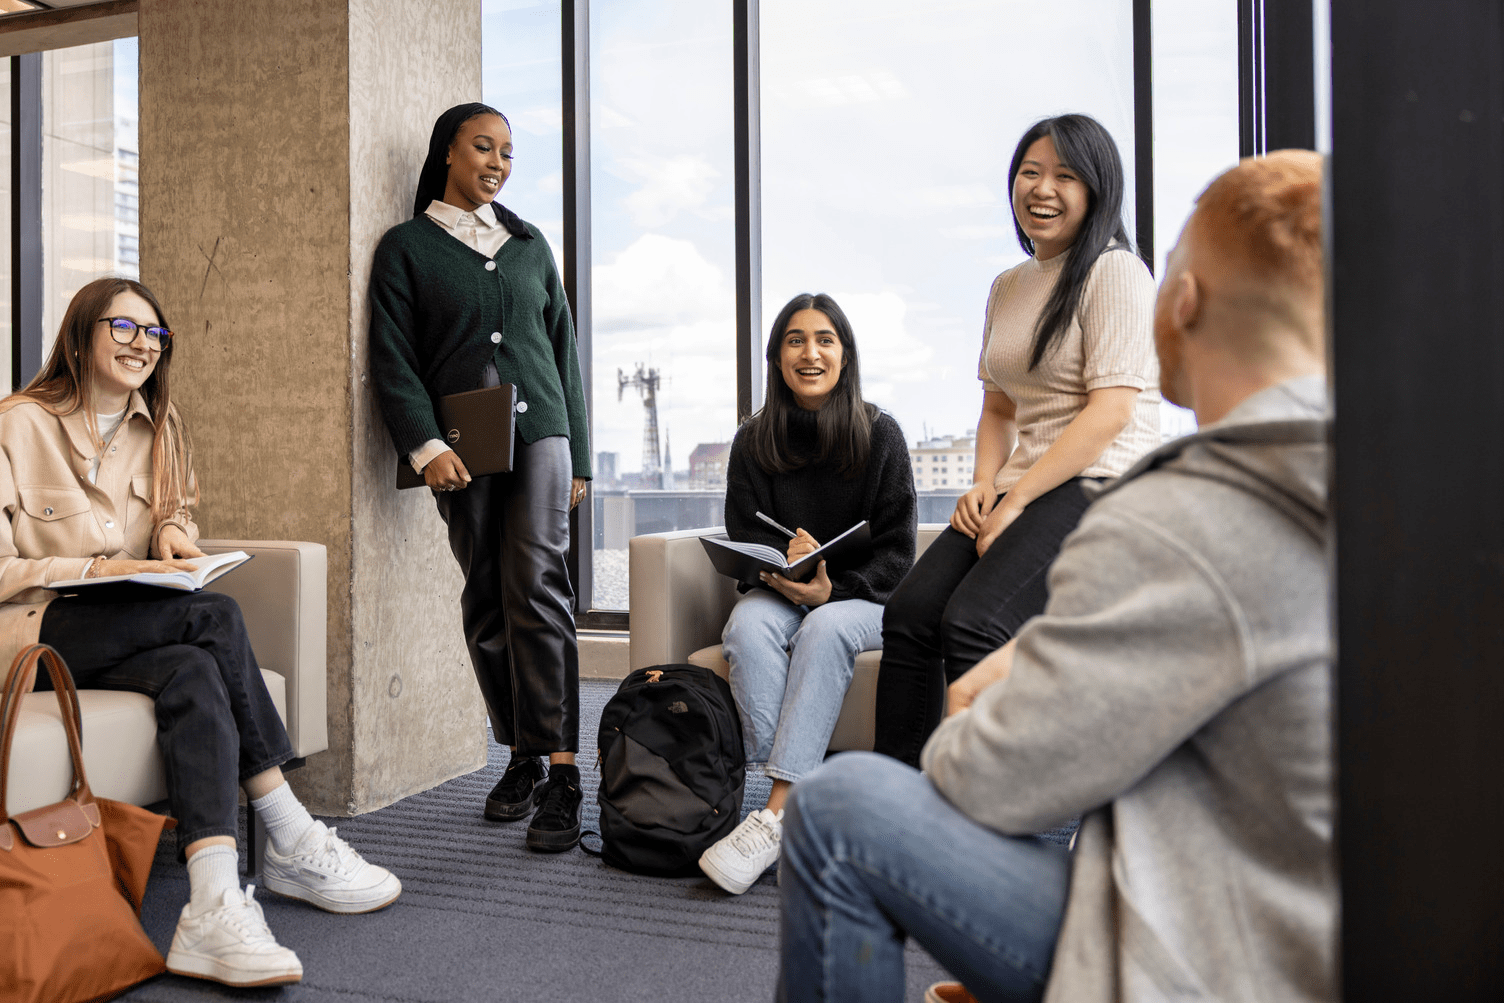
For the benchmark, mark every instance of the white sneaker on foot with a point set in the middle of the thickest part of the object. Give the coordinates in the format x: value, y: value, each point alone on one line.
x: 230, y: 943
x: 738, y: 859
x: 325, y: 871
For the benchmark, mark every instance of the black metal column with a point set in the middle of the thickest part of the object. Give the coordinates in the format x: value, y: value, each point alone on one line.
x: 1417, y: 209
x: 1276, y: 76
x: 574, y: 67
x: 750, y: 363
x: 1289, y: 75
x: 1143, y: 129
x: 25, y: 217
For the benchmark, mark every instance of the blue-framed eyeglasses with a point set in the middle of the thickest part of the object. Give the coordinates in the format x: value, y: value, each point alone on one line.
x: 123, y: 330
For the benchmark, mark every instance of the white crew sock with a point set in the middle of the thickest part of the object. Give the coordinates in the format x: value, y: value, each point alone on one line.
x: 212, y: 871
x: 285, y: 817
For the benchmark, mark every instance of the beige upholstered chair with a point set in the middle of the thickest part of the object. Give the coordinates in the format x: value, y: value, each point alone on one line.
x: 282, y: 594
x: 679, y: 605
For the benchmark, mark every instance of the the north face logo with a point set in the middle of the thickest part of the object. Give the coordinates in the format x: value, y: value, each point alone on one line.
x: 678, y: 707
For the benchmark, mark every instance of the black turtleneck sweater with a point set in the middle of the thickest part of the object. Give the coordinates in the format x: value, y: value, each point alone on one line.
x: 817, y: 499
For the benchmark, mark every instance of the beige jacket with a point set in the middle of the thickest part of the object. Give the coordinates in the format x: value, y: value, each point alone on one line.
x: 56, y: 521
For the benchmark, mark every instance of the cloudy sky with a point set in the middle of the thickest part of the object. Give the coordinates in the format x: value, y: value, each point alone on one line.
x: 886, y: 133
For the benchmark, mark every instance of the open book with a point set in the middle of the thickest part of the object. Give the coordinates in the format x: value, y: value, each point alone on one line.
x: 209, y: 568
x: 746, y: 561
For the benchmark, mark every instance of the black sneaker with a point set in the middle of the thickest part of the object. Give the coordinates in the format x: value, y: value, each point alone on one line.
x: 556, y: 824
x: 516, y: 793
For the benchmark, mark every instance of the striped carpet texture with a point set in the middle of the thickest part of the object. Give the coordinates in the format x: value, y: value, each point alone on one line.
x: 483, y: 918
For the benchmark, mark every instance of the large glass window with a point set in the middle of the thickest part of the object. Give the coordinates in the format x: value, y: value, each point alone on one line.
x: 887, y: 130
x: 663, y: 396
x: 662, y: 189
x: 1195, y: 123
x: 90, y: 194
x: 520, y: 78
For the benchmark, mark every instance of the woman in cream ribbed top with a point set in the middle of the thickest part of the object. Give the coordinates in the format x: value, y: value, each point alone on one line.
x: 1108, y: 344
x: 1071, y: 395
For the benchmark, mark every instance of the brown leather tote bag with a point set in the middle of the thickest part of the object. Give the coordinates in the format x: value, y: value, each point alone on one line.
x: 72, y: 874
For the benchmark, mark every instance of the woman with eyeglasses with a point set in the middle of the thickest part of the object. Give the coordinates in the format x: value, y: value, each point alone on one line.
x: 1070, y: 397
x: 96, y: 480
x: 465, y: 295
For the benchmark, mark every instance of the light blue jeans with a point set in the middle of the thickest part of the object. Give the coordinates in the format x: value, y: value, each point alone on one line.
x: 872, y: 853
x: 789, y: 672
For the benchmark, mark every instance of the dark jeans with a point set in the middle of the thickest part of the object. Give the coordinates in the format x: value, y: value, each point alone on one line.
x: 954, y: 609
x: 510, y: 534
x: 216, y: 724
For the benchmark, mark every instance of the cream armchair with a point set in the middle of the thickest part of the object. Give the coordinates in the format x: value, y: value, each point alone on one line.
x: 282, y: 594
x: 679, y: 605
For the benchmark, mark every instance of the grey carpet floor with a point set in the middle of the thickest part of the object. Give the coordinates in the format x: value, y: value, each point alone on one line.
x: 483, y: 918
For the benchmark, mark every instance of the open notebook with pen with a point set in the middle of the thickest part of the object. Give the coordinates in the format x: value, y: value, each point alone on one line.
x: 746, y: 561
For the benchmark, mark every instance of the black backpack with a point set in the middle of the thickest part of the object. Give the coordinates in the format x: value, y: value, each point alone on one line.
x: 672, y: 769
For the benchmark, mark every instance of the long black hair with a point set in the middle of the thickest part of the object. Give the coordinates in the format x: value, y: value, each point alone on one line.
x: 435, y: 174
x: 1082, y: 143
x: 844, y: 421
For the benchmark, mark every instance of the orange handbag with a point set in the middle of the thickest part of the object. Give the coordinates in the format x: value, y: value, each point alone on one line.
x: 72, y: 874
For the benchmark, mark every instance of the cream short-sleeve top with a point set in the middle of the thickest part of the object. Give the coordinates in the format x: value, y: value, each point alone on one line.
x: 1110, y: 343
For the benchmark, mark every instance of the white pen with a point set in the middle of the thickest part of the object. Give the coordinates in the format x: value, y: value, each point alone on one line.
x: 781, y: 528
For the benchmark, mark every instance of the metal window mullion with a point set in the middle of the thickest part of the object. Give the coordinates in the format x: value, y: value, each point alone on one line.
x: 1143, y: 129
x: 1250, y: 78
x: 748, y: 154
x: 26, y: 289
x: 574, y: 43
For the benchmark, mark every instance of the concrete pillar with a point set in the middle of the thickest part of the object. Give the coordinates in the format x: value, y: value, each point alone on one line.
x: 279, y: 140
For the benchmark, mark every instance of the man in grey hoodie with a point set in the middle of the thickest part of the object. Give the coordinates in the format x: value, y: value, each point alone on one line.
x: 1176, y: 692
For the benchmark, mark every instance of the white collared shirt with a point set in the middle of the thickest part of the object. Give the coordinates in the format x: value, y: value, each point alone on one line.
x: 480, y: 231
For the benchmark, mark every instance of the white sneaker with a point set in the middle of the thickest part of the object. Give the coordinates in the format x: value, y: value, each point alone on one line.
x: 325, y: 871
x: 739, y: 859
x: 230, y: 943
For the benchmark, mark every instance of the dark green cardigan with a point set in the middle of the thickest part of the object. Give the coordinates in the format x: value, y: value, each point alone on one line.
x: 434, y: 307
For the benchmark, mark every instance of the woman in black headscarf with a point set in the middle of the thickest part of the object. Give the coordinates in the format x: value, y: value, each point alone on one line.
x: 465, y: 295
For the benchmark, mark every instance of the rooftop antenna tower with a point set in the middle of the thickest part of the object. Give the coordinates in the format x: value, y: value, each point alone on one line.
x: 646, y: 381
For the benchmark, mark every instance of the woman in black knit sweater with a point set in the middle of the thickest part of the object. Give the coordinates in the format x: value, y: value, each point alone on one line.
x: 817, y: 459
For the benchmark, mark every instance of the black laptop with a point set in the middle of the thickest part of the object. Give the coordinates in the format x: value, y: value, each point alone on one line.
x: 479, y: 426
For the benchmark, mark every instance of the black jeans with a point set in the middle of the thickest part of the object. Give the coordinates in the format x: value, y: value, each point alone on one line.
x: 510, y: 534
x: 954, y: 609
x: 216, y: 724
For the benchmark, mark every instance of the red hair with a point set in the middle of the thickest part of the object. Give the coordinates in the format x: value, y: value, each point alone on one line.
x: 1263, y: 217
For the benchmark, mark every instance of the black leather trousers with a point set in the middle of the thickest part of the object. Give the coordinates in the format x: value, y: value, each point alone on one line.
x: 510, y: 534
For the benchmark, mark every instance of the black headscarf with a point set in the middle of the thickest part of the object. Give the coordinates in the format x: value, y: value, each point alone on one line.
x: 434, y: 177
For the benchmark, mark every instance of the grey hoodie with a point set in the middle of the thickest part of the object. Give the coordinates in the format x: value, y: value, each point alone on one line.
x: 1177, y: 691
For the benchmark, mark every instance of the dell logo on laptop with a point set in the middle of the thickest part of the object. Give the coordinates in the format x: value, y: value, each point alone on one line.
x: 454, y: 436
